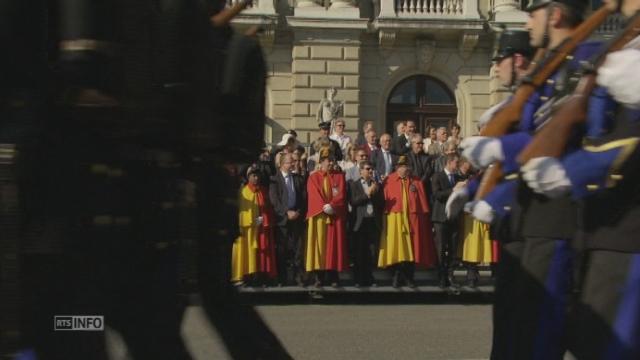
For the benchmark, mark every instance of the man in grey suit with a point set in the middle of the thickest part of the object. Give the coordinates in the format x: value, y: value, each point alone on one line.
x: 288, y: 198
x: 384, y: 159
x: 367, y: 201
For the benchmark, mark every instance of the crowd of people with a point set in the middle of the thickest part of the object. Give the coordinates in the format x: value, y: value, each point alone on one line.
x: 355, y: 205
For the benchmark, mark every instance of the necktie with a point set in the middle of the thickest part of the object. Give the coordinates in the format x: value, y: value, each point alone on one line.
x: 387, y: 163
x: 451, y: 180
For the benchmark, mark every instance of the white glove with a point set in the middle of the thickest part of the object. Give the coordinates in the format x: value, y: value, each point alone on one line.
x: 468, y: 207
x: 619, y: 74
x: 483, y: 212
x: 482, y: 151
x: 456, y: 201
x: 547, y: 176
x: 327, y: 209
x: 259, y: 220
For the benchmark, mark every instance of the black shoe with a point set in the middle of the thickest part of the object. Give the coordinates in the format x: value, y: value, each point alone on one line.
x: 395, y: 282
x: 452, y: 281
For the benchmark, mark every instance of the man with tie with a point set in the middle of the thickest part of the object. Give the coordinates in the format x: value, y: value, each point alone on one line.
x: 288, y: 199
x: 371, y: 142
x: 442, y: 184
x: 383, y: 159
x: 366, y: 199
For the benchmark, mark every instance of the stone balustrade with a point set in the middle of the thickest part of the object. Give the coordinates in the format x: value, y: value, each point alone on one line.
x: 429, y: 9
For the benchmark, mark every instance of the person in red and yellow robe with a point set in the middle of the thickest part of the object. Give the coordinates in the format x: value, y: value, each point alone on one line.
x: 326, y: 216
x: 253, y: 254
x: 406, y: 239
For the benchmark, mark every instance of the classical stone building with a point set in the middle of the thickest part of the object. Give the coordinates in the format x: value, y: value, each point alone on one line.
x: 390, y: 60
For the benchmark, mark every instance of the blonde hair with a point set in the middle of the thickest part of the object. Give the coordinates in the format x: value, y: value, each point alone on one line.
x: 347, y: 156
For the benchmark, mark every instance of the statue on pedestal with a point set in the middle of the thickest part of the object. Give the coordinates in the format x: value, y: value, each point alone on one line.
x: 329, y: 109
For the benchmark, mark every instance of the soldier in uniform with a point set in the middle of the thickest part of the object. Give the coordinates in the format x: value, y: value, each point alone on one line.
x: 546, y: 226
x: 129, y: 163
x: 511, y: 61
x: 605, y: 175
x: 334, y: 146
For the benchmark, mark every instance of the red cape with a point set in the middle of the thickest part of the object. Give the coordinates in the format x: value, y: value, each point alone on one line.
x: 336, y: 239
x: 424, y: 250
x: 266, y: 240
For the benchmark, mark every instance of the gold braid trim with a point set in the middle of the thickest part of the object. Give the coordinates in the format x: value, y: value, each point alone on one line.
x: 628, y: 145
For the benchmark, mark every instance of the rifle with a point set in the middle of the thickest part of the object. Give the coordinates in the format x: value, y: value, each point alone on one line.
x: 552, y: 138
x: 510, y: 114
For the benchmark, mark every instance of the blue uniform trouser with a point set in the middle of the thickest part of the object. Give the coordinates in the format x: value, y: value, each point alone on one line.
x: 506, y: 304
x: 607, y: 321
x: 544, y: 291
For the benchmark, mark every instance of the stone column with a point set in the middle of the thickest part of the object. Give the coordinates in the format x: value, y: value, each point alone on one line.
x: 307, y: 4
x: 338, y: 4
x: 505, y: 5
x: 508, y: 11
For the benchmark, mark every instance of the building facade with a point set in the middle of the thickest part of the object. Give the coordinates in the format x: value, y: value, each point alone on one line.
x: 390, y: 60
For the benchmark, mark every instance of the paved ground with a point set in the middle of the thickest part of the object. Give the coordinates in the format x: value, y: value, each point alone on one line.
x: 389, y: 331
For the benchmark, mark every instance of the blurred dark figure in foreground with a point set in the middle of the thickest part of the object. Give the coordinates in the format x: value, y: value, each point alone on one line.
x: 115, y: 117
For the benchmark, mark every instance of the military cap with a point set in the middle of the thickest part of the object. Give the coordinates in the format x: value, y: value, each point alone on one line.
x: 578, y: 6
x: 514, y: 42
x: 325, y: 125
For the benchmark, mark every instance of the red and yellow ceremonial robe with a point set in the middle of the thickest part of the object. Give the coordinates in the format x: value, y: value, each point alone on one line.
x: 254, y: 250
x: 406, y: 234
x: 326, y: 240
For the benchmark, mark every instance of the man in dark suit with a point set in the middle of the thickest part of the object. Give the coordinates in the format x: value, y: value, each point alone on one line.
x: 383, y: 159
x: 402, y: 143
x: 420, y: 163
x: 288, y: 198
x: 371, y: 142
x: 443, y: 183
x: 367, y: 201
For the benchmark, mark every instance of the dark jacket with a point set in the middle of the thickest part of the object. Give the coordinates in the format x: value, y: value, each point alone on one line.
x: 358, y: 200
x: 279, y: 197
x: 441, y: 188
x: 421, y: 166
x: 378, y: 161
x: 400, y: 145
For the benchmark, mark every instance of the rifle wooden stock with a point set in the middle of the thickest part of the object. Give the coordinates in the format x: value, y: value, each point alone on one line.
x: 510, y: 115
x: 552, y: 139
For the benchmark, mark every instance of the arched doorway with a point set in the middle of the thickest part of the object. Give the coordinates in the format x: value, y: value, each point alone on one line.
x: 423, y: 99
